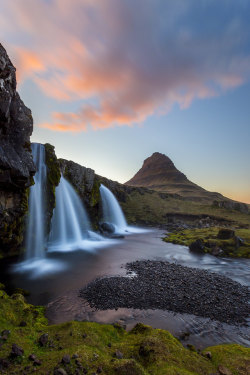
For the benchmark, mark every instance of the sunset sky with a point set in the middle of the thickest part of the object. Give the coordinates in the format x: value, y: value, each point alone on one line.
x: 110, y: 82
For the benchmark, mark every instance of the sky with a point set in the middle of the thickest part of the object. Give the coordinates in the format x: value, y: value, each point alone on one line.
x: 109, y: 82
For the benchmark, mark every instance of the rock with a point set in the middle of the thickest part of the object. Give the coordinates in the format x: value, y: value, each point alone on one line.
x: 66, y: 359
x: 16, y: 351
x: 107, y: 228
x: 74, y: 356
x: 5, y: 333
x: 99, y: 370
x: 238, y: 241
x: 22, y: 324
x: 60, y: 371
x: 118, y: 354
x: 225, y: 234
x: 4, y: 364
x: 37, y: 362
x: 16, y: 163
x: 208, y: 355
x: 217, y: 251
x: 197, y: 246
x: 32, y: 357
x: 224, y: 370
x: 43, y: 340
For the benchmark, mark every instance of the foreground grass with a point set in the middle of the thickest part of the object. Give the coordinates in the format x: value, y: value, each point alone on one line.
x: 209, y: 237
x: 101, y: 348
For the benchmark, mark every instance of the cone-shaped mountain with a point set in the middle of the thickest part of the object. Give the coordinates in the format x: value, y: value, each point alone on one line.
x: 159, y: 173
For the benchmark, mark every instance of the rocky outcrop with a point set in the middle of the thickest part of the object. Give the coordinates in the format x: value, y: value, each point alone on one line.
x: 16, y: 163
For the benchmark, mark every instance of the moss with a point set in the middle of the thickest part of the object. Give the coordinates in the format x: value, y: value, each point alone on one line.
x: 95, y: 193
x: 53, y: 179
x: 210, y: 238
x: 144, y: 350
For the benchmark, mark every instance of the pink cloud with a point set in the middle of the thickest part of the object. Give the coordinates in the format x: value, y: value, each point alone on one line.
x: 118, y: 55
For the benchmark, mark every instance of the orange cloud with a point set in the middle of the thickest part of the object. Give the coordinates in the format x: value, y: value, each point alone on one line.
x: 126, y: 62
x: 28, y: 63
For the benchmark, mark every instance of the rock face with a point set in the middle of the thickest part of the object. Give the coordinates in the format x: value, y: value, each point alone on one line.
x: 16, y: 163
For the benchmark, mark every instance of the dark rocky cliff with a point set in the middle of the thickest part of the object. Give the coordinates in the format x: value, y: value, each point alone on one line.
x: 16, y: 163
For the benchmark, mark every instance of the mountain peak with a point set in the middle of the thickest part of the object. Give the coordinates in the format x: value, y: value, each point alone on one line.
x: 157, y: 171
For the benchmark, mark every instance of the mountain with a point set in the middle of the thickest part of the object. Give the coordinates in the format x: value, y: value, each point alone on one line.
x: 159, y: 173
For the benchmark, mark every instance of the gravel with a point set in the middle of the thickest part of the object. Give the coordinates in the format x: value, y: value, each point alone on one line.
x: 167, y: 286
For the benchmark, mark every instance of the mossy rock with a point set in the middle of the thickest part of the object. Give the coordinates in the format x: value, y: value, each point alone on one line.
x: 53, y: 179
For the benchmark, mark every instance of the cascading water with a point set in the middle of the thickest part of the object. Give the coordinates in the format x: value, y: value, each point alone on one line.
x: 70, y: 229
x: 112, y: 212
x: 35, y: 233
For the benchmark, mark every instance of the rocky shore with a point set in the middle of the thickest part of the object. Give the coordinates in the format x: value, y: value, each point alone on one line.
x: 166, y: 286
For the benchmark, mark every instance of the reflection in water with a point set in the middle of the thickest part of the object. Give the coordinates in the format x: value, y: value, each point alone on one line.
x: 60, y: 290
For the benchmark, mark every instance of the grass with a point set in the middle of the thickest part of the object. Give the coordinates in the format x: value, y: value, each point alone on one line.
x: 151, y: 207
x: 144, y: 350
x: 209, y: 236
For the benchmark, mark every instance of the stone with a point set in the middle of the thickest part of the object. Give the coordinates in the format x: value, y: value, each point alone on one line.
x: 118, y: 354
x: 43, y: 339
x: 16, y: 351
x: 32, y: 357
x: 197, y: 246
x: 60, y: 371
x: 225, y: 234
x: 224, y: 370
x: 107, y: 228
x: 37, y: 362
x: 22, y: 324
x: 208, y: 355
x: 66, y: 359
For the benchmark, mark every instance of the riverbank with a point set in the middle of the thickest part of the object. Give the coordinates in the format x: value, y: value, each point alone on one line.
x: 234, y: 243
x: 166, y: 286
x: 28, y: 345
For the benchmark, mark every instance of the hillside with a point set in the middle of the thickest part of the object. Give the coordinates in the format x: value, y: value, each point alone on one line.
x: 159, y: 173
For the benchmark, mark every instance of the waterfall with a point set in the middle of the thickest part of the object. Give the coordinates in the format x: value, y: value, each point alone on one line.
x: 112, y: 212
x: 70, y: 228
x: 35, y: 233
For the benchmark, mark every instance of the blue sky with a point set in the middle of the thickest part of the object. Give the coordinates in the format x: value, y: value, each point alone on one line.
x: 111, y: 82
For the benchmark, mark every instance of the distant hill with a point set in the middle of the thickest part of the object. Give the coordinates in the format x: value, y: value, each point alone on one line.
x: 159, y: 173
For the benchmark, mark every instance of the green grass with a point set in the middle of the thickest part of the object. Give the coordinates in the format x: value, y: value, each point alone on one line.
x: 152, y: 207
x: 209, y: 236
x: 145, y: 350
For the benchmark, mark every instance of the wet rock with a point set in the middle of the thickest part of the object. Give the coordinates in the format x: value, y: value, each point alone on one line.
x: 43, y: 339
x: 16, y: 351
x: 197, y: 246
x: 107, y: 228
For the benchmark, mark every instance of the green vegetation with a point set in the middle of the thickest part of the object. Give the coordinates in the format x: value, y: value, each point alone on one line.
x: 53, y: 179
x: 209, y: 237
x: 100, y: 348
x: 152, y: 207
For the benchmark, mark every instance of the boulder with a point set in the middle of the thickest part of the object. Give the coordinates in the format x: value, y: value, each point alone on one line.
x: 197, y: 246
x: 225, y: 234
x: 107, y: 228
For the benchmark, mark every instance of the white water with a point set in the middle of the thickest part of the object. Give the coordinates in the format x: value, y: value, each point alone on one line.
x: 35, y: 233
x: 70, y: 227
x: 111, y: 210
x: 113, y: 214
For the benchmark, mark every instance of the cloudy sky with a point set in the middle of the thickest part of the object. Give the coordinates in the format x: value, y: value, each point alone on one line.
x: 110, y: 82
